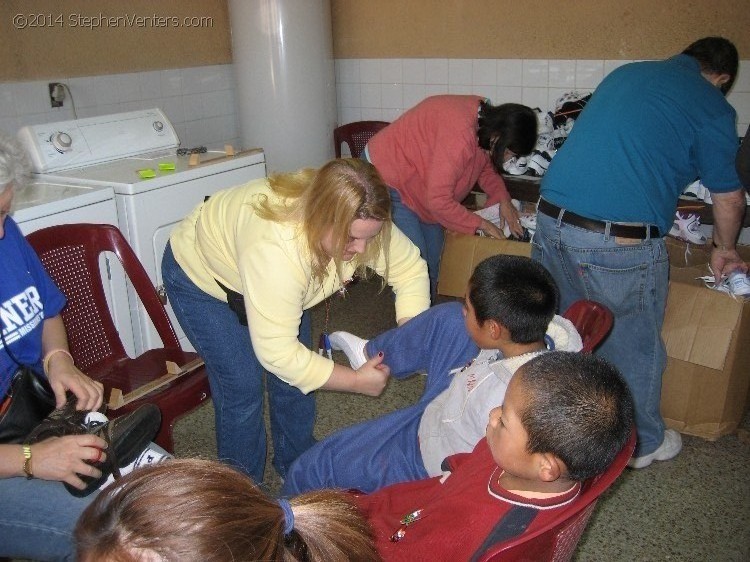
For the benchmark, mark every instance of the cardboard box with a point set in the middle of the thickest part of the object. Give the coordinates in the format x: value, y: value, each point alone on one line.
x: 707, y: 335
x: 462, y: 253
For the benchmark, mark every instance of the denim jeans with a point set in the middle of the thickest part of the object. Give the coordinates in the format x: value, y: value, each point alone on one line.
x: 37, y: 518
x: 427, y: 237
x: 383, y: 451
x: 236, y: 380
x: 631, y: 278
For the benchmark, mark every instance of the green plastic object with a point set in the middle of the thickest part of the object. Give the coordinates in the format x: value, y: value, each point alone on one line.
x: 166, y: 166
x: 147, y: 173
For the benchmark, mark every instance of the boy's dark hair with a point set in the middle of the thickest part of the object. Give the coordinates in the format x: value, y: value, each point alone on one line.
x: 716, y: 55
x: 512, y: 124
x: 517, y: 292
x: 577, y: 407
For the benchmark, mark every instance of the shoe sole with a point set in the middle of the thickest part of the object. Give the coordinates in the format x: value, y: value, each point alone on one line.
x: 340, y: 344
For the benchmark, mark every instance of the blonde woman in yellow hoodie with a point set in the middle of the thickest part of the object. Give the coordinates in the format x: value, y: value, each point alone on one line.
x: 242, y: 270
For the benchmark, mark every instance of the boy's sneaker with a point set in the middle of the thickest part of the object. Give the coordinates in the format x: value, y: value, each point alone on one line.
x: 352, y: 346
x: 688, y: 228
x: 669, y: 448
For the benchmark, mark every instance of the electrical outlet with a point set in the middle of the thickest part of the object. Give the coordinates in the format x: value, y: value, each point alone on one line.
x: 56, y: 94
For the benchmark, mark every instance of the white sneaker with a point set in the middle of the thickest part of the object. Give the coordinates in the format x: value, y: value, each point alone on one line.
x: 669, y: 448
x: 517, y: 165
x: 738, y: 284
x: 352, y: 346
x: 688, y: 228
x: 528, y: 221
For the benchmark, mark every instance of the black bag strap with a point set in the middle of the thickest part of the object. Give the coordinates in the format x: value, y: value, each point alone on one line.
x: 236, y: 302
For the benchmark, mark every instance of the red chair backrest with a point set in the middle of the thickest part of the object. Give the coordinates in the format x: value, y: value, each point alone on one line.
x: 557, y: 541
x: 70, y: 253
x: 356, y: 135
x: 593, y: 321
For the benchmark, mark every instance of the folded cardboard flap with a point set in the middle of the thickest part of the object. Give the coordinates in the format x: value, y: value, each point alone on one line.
x: 462, y: 253
x: 699, y: 324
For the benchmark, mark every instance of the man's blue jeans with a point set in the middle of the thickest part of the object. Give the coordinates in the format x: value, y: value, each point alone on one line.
x: 630, y: 277
x: 383, y: 451
x: 236, y: 379
x: 427, y: 237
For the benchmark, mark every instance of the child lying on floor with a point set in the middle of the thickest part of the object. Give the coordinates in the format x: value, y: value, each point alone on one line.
x: 469, y: 355
x: 565, y: 418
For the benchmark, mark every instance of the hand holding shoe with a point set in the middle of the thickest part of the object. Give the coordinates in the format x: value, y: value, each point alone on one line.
x: 123, y: 438
x: 63, y: 459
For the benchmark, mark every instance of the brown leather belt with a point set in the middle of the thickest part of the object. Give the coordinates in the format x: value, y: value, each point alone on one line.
x: 619, y: 230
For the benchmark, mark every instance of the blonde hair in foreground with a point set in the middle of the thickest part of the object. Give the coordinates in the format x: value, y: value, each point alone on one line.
x: 199, y: 510
x: 331, y: 199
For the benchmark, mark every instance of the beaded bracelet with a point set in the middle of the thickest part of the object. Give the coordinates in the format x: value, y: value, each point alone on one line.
x: 45, y: 363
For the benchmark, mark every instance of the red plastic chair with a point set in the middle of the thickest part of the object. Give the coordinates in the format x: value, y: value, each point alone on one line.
x: 557, y: 541
x: 356, y: 135
x: 593, y: 321
x: 70, y: 253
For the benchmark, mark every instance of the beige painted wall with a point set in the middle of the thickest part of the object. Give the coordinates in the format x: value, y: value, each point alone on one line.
x: 48, y: 38
x: 545, y: 29
x: 572, y: 29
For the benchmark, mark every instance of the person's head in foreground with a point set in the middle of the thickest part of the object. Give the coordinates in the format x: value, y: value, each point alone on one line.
x: 564, y: 419
x: 200, y: 510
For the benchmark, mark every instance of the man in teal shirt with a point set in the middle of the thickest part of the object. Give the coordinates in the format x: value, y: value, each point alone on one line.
x: 610, y: 195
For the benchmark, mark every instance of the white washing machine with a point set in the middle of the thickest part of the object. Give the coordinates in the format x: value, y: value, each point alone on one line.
x: 47, y: 203
x: 136, y: 154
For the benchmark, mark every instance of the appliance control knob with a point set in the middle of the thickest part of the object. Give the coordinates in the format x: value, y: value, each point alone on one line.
x: 62, y: 142
x: 158, y: 126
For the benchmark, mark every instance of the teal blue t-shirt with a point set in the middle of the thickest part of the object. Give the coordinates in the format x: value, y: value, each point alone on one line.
x: 649, y: 130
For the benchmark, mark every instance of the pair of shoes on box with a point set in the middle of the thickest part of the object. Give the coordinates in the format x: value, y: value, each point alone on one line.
x: 126, y: 437
x: 688, y: 228
x: 669, y: 448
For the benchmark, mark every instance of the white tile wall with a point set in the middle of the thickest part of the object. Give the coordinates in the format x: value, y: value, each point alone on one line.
x: 200, y: 101
x: 383, y: 89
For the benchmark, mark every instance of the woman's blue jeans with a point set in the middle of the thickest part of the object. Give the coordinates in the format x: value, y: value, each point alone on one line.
x: 631, y: 278
x: 37, y: 518
x: 427, y: 237
x: 236, y: 378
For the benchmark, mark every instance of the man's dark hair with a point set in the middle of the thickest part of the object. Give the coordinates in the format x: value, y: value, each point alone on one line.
x: 509, y: 126
x: 577, y: 407
x: 517, y: 292
x: 716, y: 55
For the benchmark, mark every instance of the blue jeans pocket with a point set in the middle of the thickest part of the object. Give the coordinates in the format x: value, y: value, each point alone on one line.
x: 622, y: 290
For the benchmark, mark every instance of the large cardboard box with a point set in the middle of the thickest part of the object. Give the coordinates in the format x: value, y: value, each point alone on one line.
x: 707, y: 335
x: 462, y: 253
